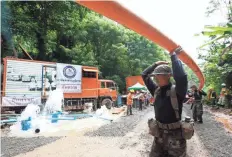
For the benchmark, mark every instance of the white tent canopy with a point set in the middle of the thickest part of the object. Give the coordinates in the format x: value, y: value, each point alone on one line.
x: 137, y: 86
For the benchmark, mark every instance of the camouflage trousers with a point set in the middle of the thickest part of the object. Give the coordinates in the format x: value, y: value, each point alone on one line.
x: 197, y: 111
x: 169, y: 144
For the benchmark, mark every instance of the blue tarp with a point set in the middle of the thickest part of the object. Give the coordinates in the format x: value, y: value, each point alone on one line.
x: 119, y: 100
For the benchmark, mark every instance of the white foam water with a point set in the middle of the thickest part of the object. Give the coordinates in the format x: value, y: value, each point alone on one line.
x: 43, y: 121
x: 103, y: 112
x: 31, y: 111
x: 54, y: 102
x: 38, y: 121
x: 88, y: 107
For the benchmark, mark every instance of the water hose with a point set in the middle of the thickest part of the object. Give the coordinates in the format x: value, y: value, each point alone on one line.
x: 119, y: 13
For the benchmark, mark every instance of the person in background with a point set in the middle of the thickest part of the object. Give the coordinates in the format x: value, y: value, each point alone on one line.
x: 147, y: 97
x: 197, y: 109
x: 141, y: 100
x: 223, y: 93
x: 136, y: 98
x: 212, y: 97
x: 130, y: 102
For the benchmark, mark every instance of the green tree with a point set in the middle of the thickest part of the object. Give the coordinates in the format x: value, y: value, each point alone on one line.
x: 218, y: 60
x: 69, y: 33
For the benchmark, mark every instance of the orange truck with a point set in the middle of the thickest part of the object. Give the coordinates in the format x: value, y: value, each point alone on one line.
x: 132, y: 80
x: 30, y: 81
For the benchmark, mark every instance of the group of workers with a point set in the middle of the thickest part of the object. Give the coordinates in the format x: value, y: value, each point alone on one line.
x: 220, y: 100
x: 137, y: 98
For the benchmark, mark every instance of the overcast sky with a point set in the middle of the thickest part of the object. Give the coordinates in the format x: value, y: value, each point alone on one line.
x: 178, y: 19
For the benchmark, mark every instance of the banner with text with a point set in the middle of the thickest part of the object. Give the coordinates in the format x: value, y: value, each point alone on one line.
x: 69, y: 78
x: 20, y: 101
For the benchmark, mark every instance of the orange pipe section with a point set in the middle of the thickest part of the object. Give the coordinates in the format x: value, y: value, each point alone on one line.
x: 122, y: 15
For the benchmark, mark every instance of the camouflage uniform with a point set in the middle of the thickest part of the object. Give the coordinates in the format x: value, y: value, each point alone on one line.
x: 170, y: 144
x: 197, y: 111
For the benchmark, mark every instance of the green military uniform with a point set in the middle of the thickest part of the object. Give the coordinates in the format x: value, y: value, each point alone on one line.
x: 197, y: 109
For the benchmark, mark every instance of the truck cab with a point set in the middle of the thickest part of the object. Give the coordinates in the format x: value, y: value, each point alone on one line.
x: 107, y: 91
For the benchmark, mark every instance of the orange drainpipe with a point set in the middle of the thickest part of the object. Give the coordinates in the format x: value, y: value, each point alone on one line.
x: 120, y: 14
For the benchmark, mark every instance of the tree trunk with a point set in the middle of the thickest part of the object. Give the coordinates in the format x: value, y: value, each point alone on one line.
x: 41, y: 47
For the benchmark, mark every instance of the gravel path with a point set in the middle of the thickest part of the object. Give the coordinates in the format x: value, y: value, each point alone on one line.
x: 126, y: 137
x: 123, y: 126
x: 129, y: 142
x: 11, y: 146
x: 213, y: 136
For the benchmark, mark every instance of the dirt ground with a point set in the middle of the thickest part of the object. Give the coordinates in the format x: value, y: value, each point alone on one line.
x: 129, y: 137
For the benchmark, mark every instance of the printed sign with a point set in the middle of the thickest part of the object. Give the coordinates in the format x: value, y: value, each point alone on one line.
x: 69, y: 78
x: 20, y: 101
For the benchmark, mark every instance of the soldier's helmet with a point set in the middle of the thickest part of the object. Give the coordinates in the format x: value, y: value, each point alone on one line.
x: 194, y: 87
x: 223, y: 85
x: 162, y: 69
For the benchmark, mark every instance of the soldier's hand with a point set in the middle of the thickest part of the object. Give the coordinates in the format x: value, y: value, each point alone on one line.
x: 176, y: 50
x: 161, y: 62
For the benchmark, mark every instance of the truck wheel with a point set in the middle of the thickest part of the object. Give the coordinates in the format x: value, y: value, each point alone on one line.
x: 107, y: 102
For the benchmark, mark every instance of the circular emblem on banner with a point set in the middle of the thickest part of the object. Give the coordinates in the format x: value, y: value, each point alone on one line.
x: 69, y: 71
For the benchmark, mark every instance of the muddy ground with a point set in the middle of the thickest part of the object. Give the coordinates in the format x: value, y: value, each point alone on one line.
x: 127, y: 137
